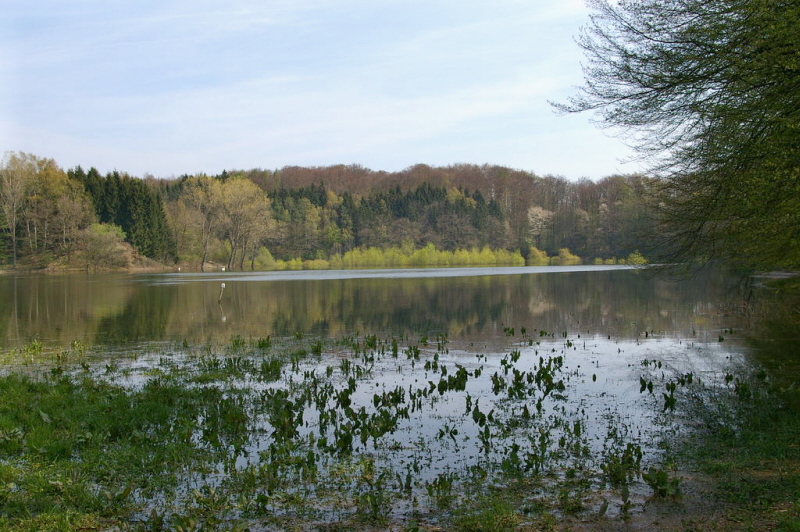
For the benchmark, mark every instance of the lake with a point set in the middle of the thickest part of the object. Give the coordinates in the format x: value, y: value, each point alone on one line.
x: 396, y: 393
x: 470, y: 304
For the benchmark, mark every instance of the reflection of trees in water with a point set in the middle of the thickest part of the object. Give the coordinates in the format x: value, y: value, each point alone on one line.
x: 775, y: 313
x: 113, y: 309
x: 620, y: 303
x: 337, y: 307
x: 58, y: 309
x: 144, y: 317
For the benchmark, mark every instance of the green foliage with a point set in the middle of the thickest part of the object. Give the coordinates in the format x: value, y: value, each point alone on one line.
x: 264, y: 260
x: 662, y: 484
x: 103, y: 247
x: 59, y: 454
x: 487, y: 515
x: 428, y: 256
x: 135, y: 207
x: 42, y: 208
x: 82, y: 452
x: 278, y: 220
x: 621, y: 466
x: 537, y: 257
x: 749, y: 444
x: 636, y: 259
x: 708, y: 92
x: 565, y: 258
x: 317, y: 220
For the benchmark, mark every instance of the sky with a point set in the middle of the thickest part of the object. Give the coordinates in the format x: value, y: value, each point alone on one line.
x: 172, y: 87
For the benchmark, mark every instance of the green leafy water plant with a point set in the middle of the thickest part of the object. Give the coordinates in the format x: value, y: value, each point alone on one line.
x: 621, y: 466
x: 662, y: 483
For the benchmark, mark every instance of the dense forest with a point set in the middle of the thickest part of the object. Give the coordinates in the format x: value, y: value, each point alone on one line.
x: 335, y: 216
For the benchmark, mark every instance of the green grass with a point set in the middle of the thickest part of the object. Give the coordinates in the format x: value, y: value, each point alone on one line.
x: 753, y: 454
x: 488, y: 514
x: 84, y: 450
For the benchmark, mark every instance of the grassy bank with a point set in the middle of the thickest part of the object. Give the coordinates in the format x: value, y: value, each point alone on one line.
x: 750, y: 445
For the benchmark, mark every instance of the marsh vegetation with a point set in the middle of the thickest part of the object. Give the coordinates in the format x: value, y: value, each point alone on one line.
x: 528, y: 428
x: 360, y: 429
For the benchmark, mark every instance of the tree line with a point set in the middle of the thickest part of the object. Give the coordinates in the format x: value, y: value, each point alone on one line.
x: 321, y: 215
x: 324, y: 213
x: 53, y: 218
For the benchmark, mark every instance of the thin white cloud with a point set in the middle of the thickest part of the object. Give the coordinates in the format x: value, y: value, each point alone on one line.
x: 166, y: 87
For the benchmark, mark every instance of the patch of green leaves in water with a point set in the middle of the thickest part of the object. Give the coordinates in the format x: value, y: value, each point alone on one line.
x: 432, y: 434
x: 280, y: 430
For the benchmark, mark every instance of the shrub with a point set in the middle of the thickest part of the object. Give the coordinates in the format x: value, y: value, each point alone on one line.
x: 565, y: 258
x: 537, y: 257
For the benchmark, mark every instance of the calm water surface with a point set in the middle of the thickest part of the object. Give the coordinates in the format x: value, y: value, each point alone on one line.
x: 468, y: 304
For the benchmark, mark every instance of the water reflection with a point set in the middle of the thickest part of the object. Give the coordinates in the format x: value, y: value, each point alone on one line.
x: 472, y: 305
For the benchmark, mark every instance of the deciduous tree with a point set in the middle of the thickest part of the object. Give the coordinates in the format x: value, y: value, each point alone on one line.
x: 17, y: 173
x: 709, y: 92
x: 245, y: 216
x: 104, y: 247
x: 202, y: 199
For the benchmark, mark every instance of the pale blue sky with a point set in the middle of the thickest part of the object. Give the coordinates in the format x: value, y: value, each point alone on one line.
x: 176, y: 86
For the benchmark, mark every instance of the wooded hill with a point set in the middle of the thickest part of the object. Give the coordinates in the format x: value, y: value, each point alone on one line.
x: 253, y: 218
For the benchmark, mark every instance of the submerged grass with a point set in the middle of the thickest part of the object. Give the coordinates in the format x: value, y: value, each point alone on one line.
x: 372, y: 434
x: 752, y: 451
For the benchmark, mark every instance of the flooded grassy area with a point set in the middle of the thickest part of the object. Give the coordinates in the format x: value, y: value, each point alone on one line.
x: 549, y: 431
x: 495, y: 401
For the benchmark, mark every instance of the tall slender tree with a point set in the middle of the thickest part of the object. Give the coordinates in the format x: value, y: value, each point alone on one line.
x: 202, y: 201
x: 17, y: 174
